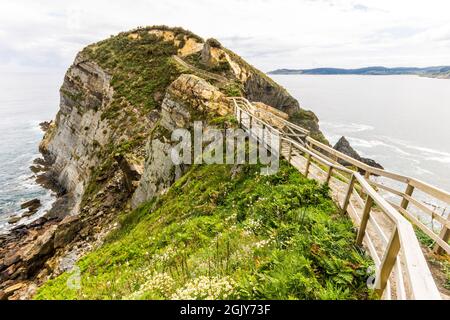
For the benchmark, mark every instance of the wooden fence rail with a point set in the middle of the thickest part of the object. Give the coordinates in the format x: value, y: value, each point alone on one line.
x: 401, y: 271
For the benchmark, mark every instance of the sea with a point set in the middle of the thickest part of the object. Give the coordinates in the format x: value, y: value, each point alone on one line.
x: 401, y: 121
x: 26, y: 99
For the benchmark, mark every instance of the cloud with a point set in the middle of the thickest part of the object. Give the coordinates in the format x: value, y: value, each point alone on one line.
x: 270, y: 34
x: 360, y: 7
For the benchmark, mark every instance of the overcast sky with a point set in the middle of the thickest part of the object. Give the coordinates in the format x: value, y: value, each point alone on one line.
x: 270, y: 34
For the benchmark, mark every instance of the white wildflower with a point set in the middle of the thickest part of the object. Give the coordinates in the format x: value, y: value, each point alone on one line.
x: 206, y: 288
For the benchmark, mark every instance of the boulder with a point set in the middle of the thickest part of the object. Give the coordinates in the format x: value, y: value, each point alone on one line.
x: 35, y: 254
x: 29, y: 213
x: 344, y: 146
x: 10, y: 290
x: 11, y: 258
x: 31, y: 205
x: 14, y: 219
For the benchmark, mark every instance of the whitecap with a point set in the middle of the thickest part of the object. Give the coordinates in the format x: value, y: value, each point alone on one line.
x: 439, y: 159
x: 363, y: 143
x: 349, y: 127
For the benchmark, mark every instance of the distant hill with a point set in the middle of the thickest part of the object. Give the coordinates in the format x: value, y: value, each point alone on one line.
x: 437, y: 72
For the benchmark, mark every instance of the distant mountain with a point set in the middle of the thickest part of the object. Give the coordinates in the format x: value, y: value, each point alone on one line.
x: 438, y: 72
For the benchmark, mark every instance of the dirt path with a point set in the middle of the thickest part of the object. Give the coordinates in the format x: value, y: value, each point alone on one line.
x: 199, y: 72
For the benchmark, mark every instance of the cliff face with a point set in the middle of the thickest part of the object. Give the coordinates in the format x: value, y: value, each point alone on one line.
x: 188, y: 98
x: 70, y: 145
x: 109, y: 109
x: 109, y: 145
x: 257, y: 86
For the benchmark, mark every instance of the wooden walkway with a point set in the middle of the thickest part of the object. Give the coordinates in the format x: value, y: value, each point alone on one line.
x: 401, y: 271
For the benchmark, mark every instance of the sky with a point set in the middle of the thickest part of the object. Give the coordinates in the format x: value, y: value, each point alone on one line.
x: 270, y: 34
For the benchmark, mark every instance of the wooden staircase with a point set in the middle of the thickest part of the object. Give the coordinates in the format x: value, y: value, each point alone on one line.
x: 385, y: 229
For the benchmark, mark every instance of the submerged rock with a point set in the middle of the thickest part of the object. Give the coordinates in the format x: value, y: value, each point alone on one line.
x: 14, y: 219
x: 344, y: 146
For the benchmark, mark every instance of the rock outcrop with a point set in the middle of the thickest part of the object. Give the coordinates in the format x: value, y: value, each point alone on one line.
x: 188, y: 98
x: 344, y: 146
x: 70, y: 145
x: 258, y: 87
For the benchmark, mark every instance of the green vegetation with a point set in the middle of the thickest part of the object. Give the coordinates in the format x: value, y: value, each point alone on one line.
x: 446, y: 270
x: 227, y: 232
x: 233, y: 89
x: 140, y: 67
x: 443, y: 262
x: 308, y: 120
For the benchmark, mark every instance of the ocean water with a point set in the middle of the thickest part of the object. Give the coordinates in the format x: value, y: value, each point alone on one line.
x: 26, y: 99
x: 402, y: 122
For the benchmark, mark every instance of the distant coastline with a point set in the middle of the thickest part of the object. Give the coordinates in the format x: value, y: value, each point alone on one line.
x: 442, y: 72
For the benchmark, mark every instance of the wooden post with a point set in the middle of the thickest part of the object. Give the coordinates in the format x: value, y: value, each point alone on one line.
x: 444, y: 235
x: 263, y: 134
x: 308, y: 163
x: 367, y: 177
x: 330, y: 169
x: 280, y: 145
x: 388, y: 262
x: 409, y: 191
x: 364, y: 220
x: 290, y: 152
x: 349, y: 194
x: 240, y: 116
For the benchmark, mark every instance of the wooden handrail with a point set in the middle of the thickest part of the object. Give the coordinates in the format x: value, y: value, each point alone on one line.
x: 272, y: 115
x: 423, y: 186
x: 411, y: 185
x: 402, y: 248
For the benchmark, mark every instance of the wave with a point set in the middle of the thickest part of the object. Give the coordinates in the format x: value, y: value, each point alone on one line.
x: 445, y: 160
x: 364, y: 143
x: 348, y: 128
x: 412, y: 146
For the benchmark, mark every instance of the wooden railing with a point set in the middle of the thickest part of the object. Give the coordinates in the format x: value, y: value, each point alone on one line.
x: 288, y: 129
x: 408, y: 205
x: 401, y: 271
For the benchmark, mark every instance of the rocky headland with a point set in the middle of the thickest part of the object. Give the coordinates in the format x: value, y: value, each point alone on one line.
x: 107, y: 153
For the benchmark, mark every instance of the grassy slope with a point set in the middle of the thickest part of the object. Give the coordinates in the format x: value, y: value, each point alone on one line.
x: 224, y: 232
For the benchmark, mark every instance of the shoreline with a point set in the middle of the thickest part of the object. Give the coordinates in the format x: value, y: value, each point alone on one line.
x: 24, y: 248
x: 38, y: 175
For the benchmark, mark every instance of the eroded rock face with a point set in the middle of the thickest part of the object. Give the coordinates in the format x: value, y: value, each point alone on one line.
x: 258, y: 87
x: 188, y: 98
x: 70, y: 146
x: 66, y: 231
x: 132, y: 168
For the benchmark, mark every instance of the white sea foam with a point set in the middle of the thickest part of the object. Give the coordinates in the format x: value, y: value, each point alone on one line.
x: 347, y: 128
x: 364, y: 143
x: 445, y: 160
